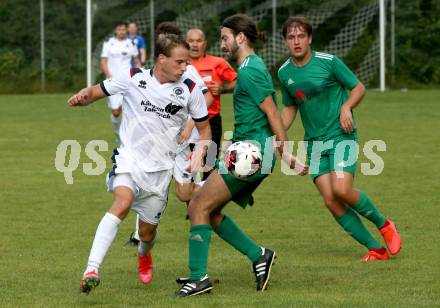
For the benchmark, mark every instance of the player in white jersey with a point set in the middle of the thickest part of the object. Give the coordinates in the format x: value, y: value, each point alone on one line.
x: 185, y: 185
x: 185, y: 181
x: 117, y: 53
x: 157, y: 103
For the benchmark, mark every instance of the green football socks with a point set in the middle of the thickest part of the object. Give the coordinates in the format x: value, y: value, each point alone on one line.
x: 233, y: 235
x: 366, y: 208
x: 199, y: 240
x: 352, y: 224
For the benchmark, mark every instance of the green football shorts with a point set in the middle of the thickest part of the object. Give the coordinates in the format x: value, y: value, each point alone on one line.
x: 242, y: 189
x: 337, y: 154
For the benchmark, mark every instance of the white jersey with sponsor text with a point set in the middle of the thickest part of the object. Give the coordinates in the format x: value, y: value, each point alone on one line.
x: 118, y: 54
x: 194, y: 74
x: 153, y: 118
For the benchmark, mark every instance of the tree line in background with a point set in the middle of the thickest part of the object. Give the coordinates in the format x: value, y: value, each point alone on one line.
x: 417, y: 39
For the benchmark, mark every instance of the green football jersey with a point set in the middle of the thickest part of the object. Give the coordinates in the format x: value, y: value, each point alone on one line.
x: 319, y: 88
x: 254, y: 84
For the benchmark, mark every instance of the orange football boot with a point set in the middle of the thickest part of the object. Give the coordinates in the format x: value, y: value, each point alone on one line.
x: 378, y: 254
x: 391, y: 237
x: 145, y: 268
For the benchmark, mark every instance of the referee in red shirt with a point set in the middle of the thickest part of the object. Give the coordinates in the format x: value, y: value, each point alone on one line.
x: 218, y: 76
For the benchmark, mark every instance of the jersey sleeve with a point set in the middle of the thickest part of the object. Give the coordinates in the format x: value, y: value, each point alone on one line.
x: 343, y: 74
x: 133, y: 50
x: 257, y: 85
x: 195, y: 76
x: 105, y: 51
x: 225, y: 71
x: 197, y: 107
x: 117, y: 84
x: 287, y: 98
x: 141, y: 42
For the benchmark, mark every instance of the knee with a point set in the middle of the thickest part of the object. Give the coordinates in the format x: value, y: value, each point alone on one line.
x: 334, y: 206
x: 182, y: 194
x: 342, y: 192
x: 192, y: 208
x: 147, y: 235
x: 124, y: 202
x: 196, y: 210
x: 329, y: 202
x: 121, y: 207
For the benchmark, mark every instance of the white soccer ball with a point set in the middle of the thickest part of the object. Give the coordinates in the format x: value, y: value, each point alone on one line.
x: 242, y: 159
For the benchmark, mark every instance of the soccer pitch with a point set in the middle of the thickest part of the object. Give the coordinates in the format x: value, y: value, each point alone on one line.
x: 47, y: 226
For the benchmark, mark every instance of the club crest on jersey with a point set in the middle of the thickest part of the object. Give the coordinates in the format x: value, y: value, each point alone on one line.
x: 178, y: 91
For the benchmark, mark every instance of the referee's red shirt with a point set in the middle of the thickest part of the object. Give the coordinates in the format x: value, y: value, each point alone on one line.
x: 217, y: 69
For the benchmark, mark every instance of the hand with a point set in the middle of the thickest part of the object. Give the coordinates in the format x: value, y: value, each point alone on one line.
x: 195, y: 160
x: 299, y: 167
x: 215, y: 87
x: 186, y: 133
x: 79, y: 99
x: 346, y: 119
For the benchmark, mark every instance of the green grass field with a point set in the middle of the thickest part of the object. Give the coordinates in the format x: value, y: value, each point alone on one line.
x: 47, y: 226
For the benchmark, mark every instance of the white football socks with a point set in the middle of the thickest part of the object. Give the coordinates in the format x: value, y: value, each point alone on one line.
x: 105, y: 234
x: 136, y: 233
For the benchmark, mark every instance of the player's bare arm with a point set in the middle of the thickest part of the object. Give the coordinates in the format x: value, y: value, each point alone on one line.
x: 269, y: 108
x: 143, y: 56
x: 201, y: 149
x: 276, y: 124
x: 228, y: 86
x: 208, y: 99
x: 354, y: 99
x: 215, y: 87
x: 288, y: 115
x: 137, y: 62
x: 86, y: 96
x: 220, y: 88
x: 104, y: 67
x: 186, y: 133
x: 190, y: 124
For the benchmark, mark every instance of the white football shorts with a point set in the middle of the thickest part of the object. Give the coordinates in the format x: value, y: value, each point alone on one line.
x: 180, y: 174
x: 150, y: 204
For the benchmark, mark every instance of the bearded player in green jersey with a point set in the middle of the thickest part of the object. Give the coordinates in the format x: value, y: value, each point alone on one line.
x: 316, y: 83
x: 256, y: 118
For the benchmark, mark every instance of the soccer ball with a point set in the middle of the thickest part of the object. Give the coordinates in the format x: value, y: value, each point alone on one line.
x: 242, y: 159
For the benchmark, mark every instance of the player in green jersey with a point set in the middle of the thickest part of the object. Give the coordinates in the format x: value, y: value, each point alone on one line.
x: 316, y: 83
x: 256, y: 118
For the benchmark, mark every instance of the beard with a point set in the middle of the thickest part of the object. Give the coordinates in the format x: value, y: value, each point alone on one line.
x: 233, y: 54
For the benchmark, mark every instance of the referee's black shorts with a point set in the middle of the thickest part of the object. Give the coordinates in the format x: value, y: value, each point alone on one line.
x: 216, y: 130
